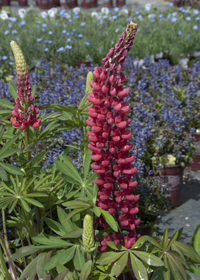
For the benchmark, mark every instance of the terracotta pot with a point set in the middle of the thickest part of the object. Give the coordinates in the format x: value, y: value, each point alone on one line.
x: 120, y: 3
x: 85, y: 63
x: 86, y: 4
x: 22, y: 3
x: 195, y: 165
x: 173, y: 175
x: 43, y: 4
x: 6, y: 2
x: 108, y: 3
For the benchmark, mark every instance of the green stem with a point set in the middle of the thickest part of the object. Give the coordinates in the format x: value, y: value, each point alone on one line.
x: 83, y: 135
x: 4, y: 229
x: 27, y: 142
x: 13, y: 273
x: 4, y: 267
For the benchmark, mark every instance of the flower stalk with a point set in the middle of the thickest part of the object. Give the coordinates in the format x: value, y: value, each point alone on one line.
x: 109, y: 142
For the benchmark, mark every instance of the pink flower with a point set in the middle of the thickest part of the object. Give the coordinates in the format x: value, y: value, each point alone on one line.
x: 109, y: 140
x: 24, y: 112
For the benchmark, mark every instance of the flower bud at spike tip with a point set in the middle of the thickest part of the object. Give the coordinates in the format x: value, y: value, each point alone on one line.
x: 109, y: 142
x: 88, y: 233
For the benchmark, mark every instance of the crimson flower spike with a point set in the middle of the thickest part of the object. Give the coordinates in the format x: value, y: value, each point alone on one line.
x: 24, y: 112
x: 109, y: 142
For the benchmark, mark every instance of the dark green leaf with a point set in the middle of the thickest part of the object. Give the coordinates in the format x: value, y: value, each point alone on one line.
x: 51, y: 240
x: 110, y: 220
x: 56, y: 227
x: 179, y: 233
x: 72, y: 213
x: 174, y: 269
x: 25, y: 205
x: 38, y: 158
x: 74, y: 233
x: 3, y: 174
x: 108, y: 257
x: 166, y: 270
x: 30, y: 270
x: 196, y: 239
x: 67, y: 171
x: 6, y: 104
x: 174, y: 237
x: 69, y: 254
x: 179, y: 265
x: 8, y: 153
x: 150, y: 259
x: 154, y: 242
x: 68, y: 225
x: 86, y: 163
x: 34, y: 202
x: 13, y: 90
x: 78, y: 259
x: 138, y: 268
x: 119, y: 265
x: 62, y: 275
x: 42, y: 259
x: 24, y: 251
x: 11, y: 169
x: 86, y: 270
x: 164, y: 241
x: 52, y: 262
x: 33, y: 90
x: 8, y: 144
x: 188, y: 251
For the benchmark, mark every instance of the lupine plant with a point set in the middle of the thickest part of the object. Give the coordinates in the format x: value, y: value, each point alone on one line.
x: 64, y: 244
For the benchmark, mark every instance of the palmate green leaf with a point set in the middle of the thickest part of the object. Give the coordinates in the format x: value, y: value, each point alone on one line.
x: 108, y: 257
x: 176, y: 256
x: 13, y: 90
x: 68, y: 225
x: 51, y: 240
x: 166, y: 270
x: 56, y: 227
x: 158, y: 274
x: 64, y: 168
x: 8, y: 153
x: 109, y: 219
x: 86, y: 270
x: 12, y: 169
x: 34, y: 202
x: 30, y: 270
x: 48, y: 129
x: 59, y: 107
x: 3, y: 174
x: 196, y: 239
x: 6, y: 104
x: 188, y: 251
x: 41, y: 182
x: 148, y: 258
x: 174, y: 269
x: 42, y: 259
x: 12, y: 206
x: 8, y: 144
x: 112, y: 245
x: 4, y: 202
x: 119, y: 265
x: 138, y: 268
x: 174, y: 248
x: 69, y: 179
x: 79, y: 259
x: 74, y: 233
x: 62, y: 275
